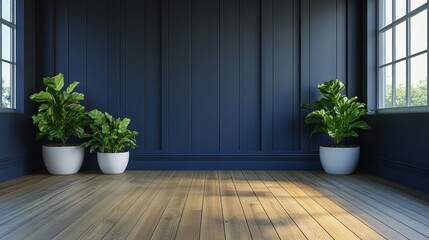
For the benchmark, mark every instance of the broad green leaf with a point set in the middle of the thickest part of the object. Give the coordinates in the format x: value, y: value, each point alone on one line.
x: 49, y: 82
x: 58, y: 81
x: 123, y: 125
x: 109, y: 117
x: 105, y: 128
x: 42, y: 97
x: 71, y: 87
x: 76, y: 97
x: 361, y: 125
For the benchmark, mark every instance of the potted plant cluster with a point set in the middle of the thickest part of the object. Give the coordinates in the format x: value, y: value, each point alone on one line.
x: 60, y: 116
x: 337, y: 116
x: 111, y: 137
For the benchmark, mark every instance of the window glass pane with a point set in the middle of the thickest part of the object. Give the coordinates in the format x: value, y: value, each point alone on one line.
x: 6, y: 85
x: 418, y: 31
x: 401, y: 84
x: 419, y: 80
x: 7, y: 91
x: 400, y: 8
x: 6, y: 10
x: 6, y: 43
x: 386, y: 47
x: 401, y: 41
x: 385, y: 13
x: 386, y: 86
x: 416, y: 3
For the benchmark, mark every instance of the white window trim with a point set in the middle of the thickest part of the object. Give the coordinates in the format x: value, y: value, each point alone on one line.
x: 380, y: 98
x: 13, y: 60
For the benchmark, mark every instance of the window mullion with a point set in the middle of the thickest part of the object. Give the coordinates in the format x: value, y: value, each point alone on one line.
x: 407, y: 54
x: 1, y: 55
x: 427, y: 62
x: 393, y: 54
x: 13, y: 53
x: 393, y: 85
x: 12, y: 74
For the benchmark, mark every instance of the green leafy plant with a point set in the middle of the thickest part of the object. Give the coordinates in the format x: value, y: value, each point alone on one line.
x: 60, y: 114
x: 335, y: 114
x: 109, y: 134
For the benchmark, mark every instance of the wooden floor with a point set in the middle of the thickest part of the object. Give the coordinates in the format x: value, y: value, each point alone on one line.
x: 210, y: 205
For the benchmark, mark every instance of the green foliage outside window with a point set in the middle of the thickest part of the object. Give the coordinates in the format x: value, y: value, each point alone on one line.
x: 418, y: 95
x: 5, y: 95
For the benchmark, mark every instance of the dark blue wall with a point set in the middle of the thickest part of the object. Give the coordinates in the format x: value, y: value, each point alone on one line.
x: 17, y: 138
x: 396, y: 146
x: 209, y: 84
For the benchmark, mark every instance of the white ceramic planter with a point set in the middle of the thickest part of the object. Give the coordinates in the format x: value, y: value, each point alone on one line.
x: 63, y: 160
x: 113, y: 163
x: 339, y: 160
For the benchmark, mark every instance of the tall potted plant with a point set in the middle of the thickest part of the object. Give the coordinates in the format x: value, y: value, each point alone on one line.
x: 337, y: 116
x: 111, y: 137
x: 59, y: 117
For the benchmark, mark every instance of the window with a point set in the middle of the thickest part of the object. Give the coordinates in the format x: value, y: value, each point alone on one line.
x: 403, y: 54
x: 8, y: 54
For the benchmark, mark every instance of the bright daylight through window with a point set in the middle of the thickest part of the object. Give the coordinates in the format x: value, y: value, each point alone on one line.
x: 403, y: 56
x: 8, y: 56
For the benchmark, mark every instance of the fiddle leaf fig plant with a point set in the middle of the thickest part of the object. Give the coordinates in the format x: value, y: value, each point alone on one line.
x: 60, y: 113
x: 108, y: 134
x: 335, y: 114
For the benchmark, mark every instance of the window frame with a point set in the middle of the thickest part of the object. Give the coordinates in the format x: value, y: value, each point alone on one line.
x: 13, y: 61
x: 408, y: 56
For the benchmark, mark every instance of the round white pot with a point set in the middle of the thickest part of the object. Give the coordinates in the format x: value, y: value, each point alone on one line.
x: 113, y: 163
x: 63, y: 160
x: 336, y: 160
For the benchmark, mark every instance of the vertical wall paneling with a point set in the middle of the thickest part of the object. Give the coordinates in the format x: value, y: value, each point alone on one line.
x: 208, y: 83
x: 153, y: 100
x: 229, y: 75
x: 135, y: 67
x: 46, y: 40
x: 298, y: 121
x: 250, y: 74
x: 164, y: 73
x: 354, y: 48
x: 123, y: 57
x: 205, y: 75
x: 267, y: 72
x: 369, y: 57
x: 77, y: 45
x: 114, y: 57
x: 305, y: 73
x: 62, y: 38
x: 323, y: 25
x: 179, y: 79
x: 323, y: 60
x: 341, y: 42
x: 283, y: 73
x: 97, y: 55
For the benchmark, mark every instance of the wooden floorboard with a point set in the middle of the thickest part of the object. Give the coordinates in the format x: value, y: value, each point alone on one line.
x: 234, y: 219
x: 211, y: 205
